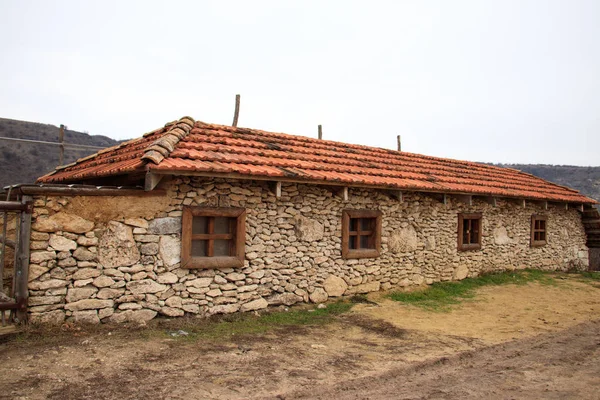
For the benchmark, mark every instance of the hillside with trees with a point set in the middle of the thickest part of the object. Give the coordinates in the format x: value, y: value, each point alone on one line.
x: 24, y: 162
x: 584, y: 179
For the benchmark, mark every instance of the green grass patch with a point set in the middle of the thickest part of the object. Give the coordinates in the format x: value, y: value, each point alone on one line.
x: 441, y: 296
x: 590, y: 275
x: 228, y: 326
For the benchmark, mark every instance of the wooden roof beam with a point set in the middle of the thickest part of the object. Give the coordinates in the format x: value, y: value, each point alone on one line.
x: 151, y: 181
x: 275, y: 188
x: 464, y: 198
x: 394, y: 194
x: 493, y: 201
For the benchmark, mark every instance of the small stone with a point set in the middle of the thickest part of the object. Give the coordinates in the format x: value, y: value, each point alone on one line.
x: 76, y: 294
x: 165, y: 226
x: 149, y: 249
x: 86, y: 317
x: 224, y: 309
x: 233, y: 277
x: 37, y: 257
x: 145, y: 286
x: 214, y: 293
x: 35, y: 271
x: 130, y: 306
x: 86, y: 241
x: 52, y: 283
x: 86, y: 273
x: 460, y: 273
x: 61, y: 243
x: 284, y: 298
x: 199, y: 282
x: 83, y: 254
x: 168, y: 278
x: 56, y: 317
x: 334, y: 286
x: 103, y: 281
x: 319, y: 295
x: 88, y: 304
x: 191, y: 308
x: 254, y: 305
x: 172, y: 312
x: 174, y: 301
x: 107, y: 293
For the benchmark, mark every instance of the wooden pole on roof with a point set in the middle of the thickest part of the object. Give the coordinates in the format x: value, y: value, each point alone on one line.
x: 399, y: 143
x: 237, y: 110
x: 61, y: 140
x: 320, y: 132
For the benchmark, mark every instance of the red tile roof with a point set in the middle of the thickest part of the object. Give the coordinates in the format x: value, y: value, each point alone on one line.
x: 193, y: 147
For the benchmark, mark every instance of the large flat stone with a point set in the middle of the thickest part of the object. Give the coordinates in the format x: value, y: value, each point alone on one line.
x: 116, y: 247
x: 165, y: 226
x: 145, y: 286
x: 62, y: 221
x: 89, y: 304
x: 335, y: 286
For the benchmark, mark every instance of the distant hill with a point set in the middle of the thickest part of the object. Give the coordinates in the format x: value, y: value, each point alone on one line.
x: 584, y: 179
x: 22, y: 162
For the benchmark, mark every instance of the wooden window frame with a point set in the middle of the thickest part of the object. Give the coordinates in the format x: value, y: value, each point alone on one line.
x: 461, y: 223
x: 539, y: 243
x: 347, y: 252
x: 239, y: 238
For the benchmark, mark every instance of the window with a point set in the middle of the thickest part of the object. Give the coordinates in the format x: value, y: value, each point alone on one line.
x: 538, y: 230
x: 469, y: 232
x: 213, y: 237
x: 361, y: 233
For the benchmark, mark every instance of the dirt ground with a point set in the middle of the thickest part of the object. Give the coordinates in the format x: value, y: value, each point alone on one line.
x: 533, y: 341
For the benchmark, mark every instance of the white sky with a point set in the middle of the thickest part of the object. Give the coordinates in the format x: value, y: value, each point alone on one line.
x: 495, y: 81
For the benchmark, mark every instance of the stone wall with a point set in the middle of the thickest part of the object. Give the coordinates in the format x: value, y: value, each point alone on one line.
x: 90, y: 264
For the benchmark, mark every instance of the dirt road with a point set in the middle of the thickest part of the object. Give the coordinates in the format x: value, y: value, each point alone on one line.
x: 533, y: 341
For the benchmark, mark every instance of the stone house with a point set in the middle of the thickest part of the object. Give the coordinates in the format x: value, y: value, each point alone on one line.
x: 198, y: 219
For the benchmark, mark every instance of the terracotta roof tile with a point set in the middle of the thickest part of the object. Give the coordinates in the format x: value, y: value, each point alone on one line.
x: 189, y: 146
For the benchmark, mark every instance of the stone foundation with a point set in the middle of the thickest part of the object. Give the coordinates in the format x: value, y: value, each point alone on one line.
x: 92, y: 264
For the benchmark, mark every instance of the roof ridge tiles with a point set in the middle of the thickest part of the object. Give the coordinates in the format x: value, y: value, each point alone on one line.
x: 162, y: 147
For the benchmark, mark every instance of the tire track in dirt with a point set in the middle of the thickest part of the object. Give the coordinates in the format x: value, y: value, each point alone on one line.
x: 557, y: 365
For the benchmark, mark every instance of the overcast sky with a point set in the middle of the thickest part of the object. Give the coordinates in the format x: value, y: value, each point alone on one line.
x: 495, y: 81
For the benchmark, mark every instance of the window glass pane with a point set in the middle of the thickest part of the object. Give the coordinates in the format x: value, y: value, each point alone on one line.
x: 474, y: 230
x: 199, y: 225
x: 542, y: 224
x: 353, y: 224
x: 221, y: 248
x: 366, y: 224
x: 198, y: 248
x: 364, y: 242
x: 222, y: 224
x: 465, y: 231
x: 352, y: 243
